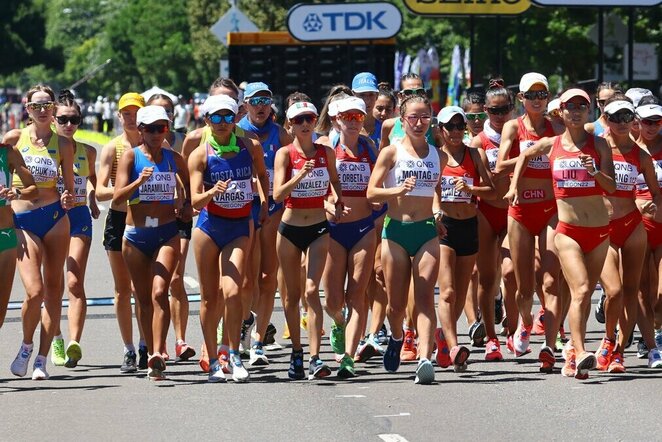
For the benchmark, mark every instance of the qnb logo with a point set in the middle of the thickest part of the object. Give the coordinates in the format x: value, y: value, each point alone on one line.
x: 312, y: 23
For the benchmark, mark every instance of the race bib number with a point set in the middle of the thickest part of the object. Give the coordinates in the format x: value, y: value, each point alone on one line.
x: 570, y: 173
x: 492, y: 155
x: 237, y: 195
x: 313, y: 185
x: 540, y: 162
x: 43, y: 169
x: 625, y: 175
x: 451, y: 195
x: 159, y: 187
x: 80, y: 188
x: 354, y: 177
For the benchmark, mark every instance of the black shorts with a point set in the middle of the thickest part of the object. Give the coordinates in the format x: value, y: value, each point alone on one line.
x: 461, y: 235
x: 303, y: 236
x: 113, y: 230
x: 184, y: 228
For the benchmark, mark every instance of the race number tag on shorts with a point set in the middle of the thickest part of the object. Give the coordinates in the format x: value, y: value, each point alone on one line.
x: 42, y: 168
x: 313, y: 185
x: 451, y: 195
x: 570, y: 173
x: 492, y: 155
x: 237, y: 195
x: 540, y: 162
x: 625, y: 175
x: 159, y: 187
x: 354, y: 176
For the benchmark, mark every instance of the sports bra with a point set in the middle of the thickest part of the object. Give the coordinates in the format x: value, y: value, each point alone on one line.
x: 538, y: 167
x: 160, y: 187
x: 570, y: 177
x: 466, y: 170
x: 626, y: 171
x: 42, y: 162
x: 426, y: 170
x: 642, y: 190
x: 237, y: 200
x: 354, y: 171
x: 310, y: 192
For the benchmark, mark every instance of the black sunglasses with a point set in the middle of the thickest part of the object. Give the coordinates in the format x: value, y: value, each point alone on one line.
x: 455, y: 126
x: 536, y: 95
x: 300, y: 119
x: 155, y: 128
x: 621, y: 117
x: 73, y: 119
x: 499, y: 110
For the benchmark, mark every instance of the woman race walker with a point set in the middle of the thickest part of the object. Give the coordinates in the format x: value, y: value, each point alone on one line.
x: 147, y: 178
x: 303, y: 173
x: 67, y: 120
x: 604, y: 91
x: 407, y: 176
x: 582, y: 169
x: 42, y: 227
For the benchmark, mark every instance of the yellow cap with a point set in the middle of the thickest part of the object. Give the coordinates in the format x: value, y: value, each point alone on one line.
x: 131, y: 99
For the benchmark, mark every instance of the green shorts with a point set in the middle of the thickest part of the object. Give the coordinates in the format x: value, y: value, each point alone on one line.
x: 409, y: 235
x: 7, y: 239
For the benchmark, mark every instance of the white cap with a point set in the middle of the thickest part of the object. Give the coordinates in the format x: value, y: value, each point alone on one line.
x: 616, y: 106
x: 333, y: 108
x: 553, y: 105
x: 216, y: 103
x: 649, y: 111
x: 301, y: 107
x: 447, y: 113
x: 150, y: 114
x: 528, y: 80
x: 636, y: 94
x: 351, y: 103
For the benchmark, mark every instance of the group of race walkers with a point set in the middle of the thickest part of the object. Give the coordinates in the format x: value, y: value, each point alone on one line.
x: 372, y: 198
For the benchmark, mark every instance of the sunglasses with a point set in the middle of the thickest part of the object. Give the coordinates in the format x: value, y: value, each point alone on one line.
x: 574, y: 106
x: 455, y: 126
x: 499, y: 110
x: 218, y: 118
x: 621, y: 117
x: 260, y: 101
x: 651, y: 121
x: 47, y: 105
x: 474, y: 116
x: 155, y: 128
x: 413, y: 119
x: 64, y: 119
x: 418, y: 91
x: 536, y: 95
x: 307, y: 118
x: 351, y: 116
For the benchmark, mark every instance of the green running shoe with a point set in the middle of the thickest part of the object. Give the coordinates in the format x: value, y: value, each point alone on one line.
x: 74, y: 354
x: 57, y: 352
x: 346, y: 369
x: 338, y: 340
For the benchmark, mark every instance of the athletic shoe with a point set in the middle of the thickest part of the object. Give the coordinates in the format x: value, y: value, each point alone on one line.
x: 58, y: 357
x: 409, y: 349
x: 20, y: 365
x: 382, y: 335
x: 600, y: 308
x: 509, y: 344
x: 129, y: 363
x: 392, y: 355
x: 604, y: 353
x: 224, y: 359
x: 365, y: 350
x: 270, y: 334
x: 183, y: 352
x: 246, y: 329
x: 654, y: 359
x: 376, y: 343
x: 547, y: 359
x: 216, y: 373
x: 424, y: 372
x: 521, y: 340
x: 443, y: 357
x: 74, y: 354
x: 346, y: 369
x: 39, y: 367
x: 493, y: 350
x: 558, y: 345
x: 498, y: 308
x: 585, y: 362
x: 617, y: 364
x: 239, y: 372
x: 337, y: 340
x: 642, y: 349
x: 570, y: 367
x: 156, y: 362
x: 143, y: 357
x: 154, y: 374
x: 539, y: 323
x: 658, y: 339
x: 258, y: 358
x: 459, y: 355
x: 477, y: 334
x: 204, y: 359
x: 296, y: 371
x: 317, y: 369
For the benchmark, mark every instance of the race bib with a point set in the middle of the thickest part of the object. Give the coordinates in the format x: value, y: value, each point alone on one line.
x: 492, y: 155
x: 354, y: 176
x: 570, y: 173
x: 237, y: 195
x: 625, y: 175
x: 313, y: 185
x: 159, y: 187
x: 451, y: 195
x: 540, y: 162
x: 43, y: 169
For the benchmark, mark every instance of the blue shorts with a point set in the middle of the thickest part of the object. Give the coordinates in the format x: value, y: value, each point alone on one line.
x: 349, y: 234
x: 223, y: 230
x: 150, y: 239
x: 40, y: 221
x: 255, y: 210
x: 80, y: 221
x: 377, y: 213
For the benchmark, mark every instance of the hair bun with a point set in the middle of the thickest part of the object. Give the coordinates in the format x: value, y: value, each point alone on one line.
x: 65, y: 94
x: 496, y: 83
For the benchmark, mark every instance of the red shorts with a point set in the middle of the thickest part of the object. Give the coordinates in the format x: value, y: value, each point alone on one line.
x: 621, y: 228
x: 497, y: 217
x: 533, y: 216
x: 654, y: 232
x: 588, y: 238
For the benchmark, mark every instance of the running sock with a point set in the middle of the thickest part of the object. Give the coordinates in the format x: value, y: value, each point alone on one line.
x: 28, y: 347
x: 142, y: 344
x: 129, y: 347
x: 58, y: 337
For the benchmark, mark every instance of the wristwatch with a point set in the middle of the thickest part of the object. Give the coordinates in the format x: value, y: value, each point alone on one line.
x: 17, y: 191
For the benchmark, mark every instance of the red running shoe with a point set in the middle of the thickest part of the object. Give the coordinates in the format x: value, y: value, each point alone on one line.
x: 539, y: 323
x: 604, y: 353
x: 493, y: 350
x: 183, y: 352
x: 617, y: 364
x: 443, y: 353
x: 409, y: 350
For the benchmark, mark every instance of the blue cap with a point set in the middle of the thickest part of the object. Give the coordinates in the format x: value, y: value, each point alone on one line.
x: 254, y: 88
x: 365, y: 82
x: 449, y: 112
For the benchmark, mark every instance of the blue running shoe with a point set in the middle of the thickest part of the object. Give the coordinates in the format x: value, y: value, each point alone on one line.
x: 392, y: 355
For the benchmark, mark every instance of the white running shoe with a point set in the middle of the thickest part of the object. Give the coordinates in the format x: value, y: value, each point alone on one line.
x: 246, y: 329
x: 654, y: 358
x: 40, y: 373
x: 20, y: 365
x: 521, y: 340
x: 258, y: 358
x: 658, y: 339
x: 424, y: 372
x: 216, y: 373
x: 239, y: 372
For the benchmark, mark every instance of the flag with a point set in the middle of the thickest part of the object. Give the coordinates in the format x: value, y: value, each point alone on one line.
x: 455, y: 78
x: 467, y: 68
x: 435, y: 92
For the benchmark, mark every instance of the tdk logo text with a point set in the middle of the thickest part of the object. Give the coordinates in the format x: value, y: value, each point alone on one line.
x: 346, y: 21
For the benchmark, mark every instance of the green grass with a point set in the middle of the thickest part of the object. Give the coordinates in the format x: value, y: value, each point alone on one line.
x: 88, y: 136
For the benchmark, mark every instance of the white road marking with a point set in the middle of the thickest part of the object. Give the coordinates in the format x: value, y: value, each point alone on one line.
x: 392, y: 438
x: 349, y: 396
x: 393, y: 415
x: 191, y: 282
